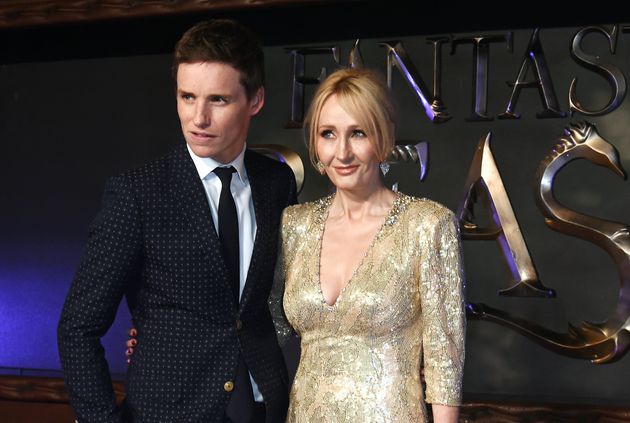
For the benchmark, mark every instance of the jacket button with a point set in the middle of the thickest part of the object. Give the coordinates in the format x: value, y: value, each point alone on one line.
x: 228, y: 386
x: 239, y: 324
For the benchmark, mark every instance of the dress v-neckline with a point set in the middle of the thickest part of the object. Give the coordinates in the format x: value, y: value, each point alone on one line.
x: 389, y: 219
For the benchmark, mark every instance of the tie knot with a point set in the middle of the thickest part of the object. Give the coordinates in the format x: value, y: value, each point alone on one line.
x: 224, y: 174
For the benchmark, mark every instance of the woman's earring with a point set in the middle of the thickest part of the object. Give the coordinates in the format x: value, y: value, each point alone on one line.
x: 384, y: 168
x: 320, y: 167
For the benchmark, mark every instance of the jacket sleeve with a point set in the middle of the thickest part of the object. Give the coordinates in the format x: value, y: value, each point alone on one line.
x: 292, y: 189
x: 109, y: 265
x: 284, y: 331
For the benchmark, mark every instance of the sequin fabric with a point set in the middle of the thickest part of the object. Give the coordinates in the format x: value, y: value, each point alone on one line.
x: 361, y: 357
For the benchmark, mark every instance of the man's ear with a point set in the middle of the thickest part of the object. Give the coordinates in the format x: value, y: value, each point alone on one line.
x: 257, y: 101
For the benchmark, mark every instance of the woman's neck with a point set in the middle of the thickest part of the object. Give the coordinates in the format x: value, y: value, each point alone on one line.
x: 356, y: 205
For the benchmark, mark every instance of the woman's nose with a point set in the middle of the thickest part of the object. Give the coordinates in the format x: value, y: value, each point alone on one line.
x: 343, y: 151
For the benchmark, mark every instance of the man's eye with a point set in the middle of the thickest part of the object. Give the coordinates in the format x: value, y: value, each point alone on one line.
x: 327, y: 133
x: 187, y: 97
x: 218, y: 99
x: 358, y: 133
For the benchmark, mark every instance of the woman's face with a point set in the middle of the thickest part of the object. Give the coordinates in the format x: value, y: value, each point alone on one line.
x: 344, y: 149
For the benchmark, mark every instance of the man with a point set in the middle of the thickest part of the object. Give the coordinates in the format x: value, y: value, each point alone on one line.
x: 193, y: 249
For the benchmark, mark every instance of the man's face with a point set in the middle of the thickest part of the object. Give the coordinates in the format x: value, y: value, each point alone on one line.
x: 214, y: 110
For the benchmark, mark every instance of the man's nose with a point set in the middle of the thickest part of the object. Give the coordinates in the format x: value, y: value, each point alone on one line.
x: 201, y: 117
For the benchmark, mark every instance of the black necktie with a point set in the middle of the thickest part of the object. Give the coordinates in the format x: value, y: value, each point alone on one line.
x: 228, y: 227
x: 240, y: 407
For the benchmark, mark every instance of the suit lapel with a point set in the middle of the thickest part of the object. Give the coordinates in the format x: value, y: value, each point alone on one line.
x: 191, y: 195
x: 255, y: 174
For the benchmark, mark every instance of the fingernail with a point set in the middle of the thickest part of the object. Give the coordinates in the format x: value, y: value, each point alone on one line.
x: 129, y: 351
x: 134, y: 342
x: 133, y: 332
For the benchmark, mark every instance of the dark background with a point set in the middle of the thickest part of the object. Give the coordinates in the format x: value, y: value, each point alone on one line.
x: 82, y: 102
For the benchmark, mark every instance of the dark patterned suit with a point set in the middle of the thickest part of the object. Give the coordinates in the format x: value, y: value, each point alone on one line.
x: 154, y: 242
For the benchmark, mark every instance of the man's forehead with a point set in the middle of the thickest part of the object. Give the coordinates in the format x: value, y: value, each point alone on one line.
x: 216, y: 65
x: 212, y: 76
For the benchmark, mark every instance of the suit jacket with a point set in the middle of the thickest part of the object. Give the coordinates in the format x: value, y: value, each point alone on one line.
x: 154, y: 242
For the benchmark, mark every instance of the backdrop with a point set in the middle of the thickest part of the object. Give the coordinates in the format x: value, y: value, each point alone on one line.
x: 67, y: 124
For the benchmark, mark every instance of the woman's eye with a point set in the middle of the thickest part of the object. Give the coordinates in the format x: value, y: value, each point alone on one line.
x: 327, y: 134
x: 358, y: 133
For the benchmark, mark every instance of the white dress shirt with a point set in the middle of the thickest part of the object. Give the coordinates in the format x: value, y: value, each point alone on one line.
x: 242, y: 193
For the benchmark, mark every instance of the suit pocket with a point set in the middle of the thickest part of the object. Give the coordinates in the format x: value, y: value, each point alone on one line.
x: 153, y: 384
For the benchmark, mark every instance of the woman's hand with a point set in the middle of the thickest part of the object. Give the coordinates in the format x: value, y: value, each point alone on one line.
x: 445, y: 414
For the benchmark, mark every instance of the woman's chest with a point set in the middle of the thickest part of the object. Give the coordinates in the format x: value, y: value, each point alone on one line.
x: 382, y: 294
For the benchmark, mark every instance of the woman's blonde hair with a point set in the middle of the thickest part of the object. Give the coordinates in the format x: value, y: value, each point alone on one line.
x: 364, y: 95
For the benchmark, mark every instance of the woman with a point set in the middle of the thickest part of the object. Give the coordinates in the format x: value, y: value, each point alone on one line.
x: 371, y: 280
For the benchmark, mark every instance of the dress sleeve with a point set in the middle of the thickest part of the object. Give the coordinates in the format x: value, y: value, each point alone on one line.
x: 443, y: 312
x: 284, y: 331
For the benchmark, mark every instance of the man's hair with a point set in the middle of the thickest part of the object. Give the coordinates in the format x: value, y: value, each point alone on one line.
x: 224, y: 41
x: 363, y: 94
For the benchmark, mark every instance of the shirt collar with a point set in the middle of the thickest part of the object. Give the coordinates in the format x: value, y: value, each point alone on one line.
x: 205, y: 165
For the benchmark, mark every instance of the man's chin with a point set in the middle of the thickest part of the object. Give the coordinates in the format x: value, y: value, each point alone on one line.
x: 203, y: 151
x: 221, y: 150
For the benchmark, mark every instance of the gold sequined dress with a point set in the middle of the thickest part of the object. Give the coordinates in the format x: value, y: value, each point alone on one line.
x: 361, y: 357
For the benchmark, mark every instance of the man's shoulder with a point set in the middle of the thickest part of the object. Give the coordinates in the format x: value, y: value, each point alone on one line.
x: 266, y: 164
x: 155, y: 168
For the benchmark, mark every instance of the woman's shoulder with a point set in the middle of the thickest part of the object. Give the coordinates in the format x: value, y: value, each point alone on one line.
x: 306, y: 213
x: 425, y: 205
x: 425, y: 209
x: 308, y: 208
